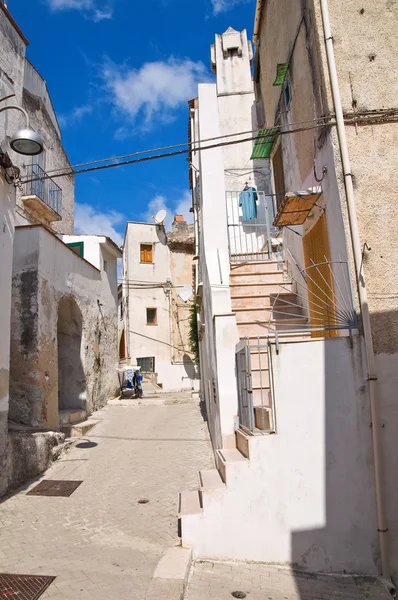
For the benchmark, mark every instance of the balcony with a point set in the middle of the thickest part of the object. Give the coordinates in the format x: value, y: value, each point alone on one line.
x: 42, y: 195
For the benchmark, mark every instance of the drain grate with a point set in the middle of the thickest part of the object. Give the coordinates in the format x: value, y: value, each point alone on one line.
x: 23, y: 587
x: 53, y: 487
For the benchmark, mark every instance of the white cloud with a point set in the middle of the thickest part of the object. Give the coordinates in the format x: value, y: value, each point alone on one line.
x: 75, y: 116
x: 220, y: 6
x: 153, y: 92
x: 179, y: 206
x: 70, y: 4
x: 102, y: 15
x: 92, y: 221
x: 88, y: 7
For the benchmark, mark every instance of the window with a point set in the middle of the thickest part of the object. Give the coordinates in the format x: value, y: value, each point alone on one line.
x: 105, y: 266
x: 151, y: 316
x: 77, y: 247
x: 146, y: 253
x: 279, y: 178
x: 287, y: 92
x: 147, y: 364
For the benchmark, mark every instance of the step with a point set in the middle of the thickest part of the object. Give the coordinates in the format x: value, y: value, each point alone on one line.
x: 242, y: 442
x: 78, y: 429
x: 70, y: 417
x: 189, y: 503
x: 243, y: 290
x: 260, y: 378
x: 266, y: 301
x: 263, y: 314
x: 210, y: 479
x: 274, y: 277
x: 228, y: 456
x: 253, y: 266
x: 262, y: 417
x: 261, y: 396
x: 250, y: 329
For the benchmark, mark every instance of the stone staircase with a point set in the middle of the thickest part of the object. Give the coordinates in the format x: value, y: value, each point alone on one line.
x: 74, y: 422
x: 254, y: 293
x: 222, y: 492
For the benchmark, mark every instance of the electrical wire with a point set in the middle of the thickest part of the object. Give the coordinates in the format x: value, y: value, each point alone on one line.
x: 171, y: 147
x: 169, y: 154
x: 356, y: 115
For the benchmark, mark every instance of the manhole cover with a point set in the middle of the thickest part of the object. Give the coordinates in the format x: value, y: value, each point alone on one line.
x: 238, y: 594
x: 53, y: 487
x: 23, y: 587
x: 143, y: 501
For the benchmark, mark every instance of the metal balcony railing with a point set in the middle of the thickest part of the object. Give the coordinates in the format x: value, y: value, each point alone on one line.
x: 44, y: 188
x: 250, y: 233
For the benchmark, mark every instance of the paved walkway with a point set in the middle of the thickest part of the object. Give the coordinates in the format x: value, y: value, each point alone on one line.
x: 217, y: 581
x: 100, y: 543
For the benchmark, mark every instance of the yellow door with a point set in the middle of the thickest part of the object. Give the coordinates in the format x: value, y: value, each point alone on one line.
x: 321, y: 299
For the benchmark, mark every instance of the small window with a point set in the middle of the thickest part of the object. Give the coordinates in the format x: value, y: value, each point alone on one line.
x: 146, y: 253
x: 147, y: 364
x: 279, y: 178
x: 77, y: 247
x: 287, y: 92
x: 151, y: 316
x: 105, y: 266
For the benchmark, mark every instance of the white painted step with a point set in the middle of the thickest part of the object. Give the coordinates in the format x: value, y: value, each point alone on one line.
x: 263, y: 276
x: 227, y: 456
x: 240, y: 289
x: 210, y: 480
x: 255, y: 266
x: 188, y: 503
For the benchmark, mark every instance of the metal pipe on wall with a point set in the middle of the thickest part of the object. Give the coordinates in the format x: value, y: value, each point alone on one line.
x: 357, y: 250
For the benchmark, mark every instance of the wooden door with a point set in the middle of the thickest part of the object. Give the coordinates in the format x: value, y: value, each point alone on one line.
x: 321, y: 297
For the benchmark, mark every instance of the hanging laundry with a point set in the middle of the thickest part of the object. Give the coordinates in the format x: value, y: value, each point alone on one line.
x: 248, y: 202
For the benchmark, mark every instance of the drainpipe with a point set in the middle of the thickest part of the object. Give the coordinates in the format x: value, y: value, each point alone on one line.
x: 363, y: 299
x: 256, y: 28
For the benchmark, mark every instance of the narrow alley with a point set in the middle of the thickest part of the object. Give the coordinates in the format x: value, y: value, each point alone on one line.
x: 101, y: 542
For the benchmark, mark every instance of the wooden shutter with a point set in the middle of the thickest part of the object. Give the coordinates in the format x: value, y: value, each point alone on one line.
x: 319, y: 280
x: 146, y: 253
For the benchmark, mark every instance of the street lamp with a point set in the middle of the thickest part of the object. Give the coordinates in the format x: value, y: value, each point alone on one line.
x: 25, y: 141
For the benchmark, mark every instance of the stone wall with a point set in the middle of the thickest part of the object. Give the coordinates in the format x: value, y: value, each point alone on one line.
x: 47, y: 274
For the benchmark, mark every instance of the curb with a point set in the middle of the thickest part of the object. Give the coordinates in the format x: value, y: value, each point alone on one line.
x: 171, y: 575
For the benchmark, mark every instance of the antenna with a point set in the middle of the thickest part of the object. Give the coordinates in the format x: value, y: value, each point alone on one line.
x: 186, y: 292
x: 160, y: 217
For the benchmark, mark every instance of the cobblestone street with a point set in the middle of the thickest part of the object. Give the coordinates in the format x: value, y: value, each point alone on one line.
x: 100, y: 543
x: 217, y: 581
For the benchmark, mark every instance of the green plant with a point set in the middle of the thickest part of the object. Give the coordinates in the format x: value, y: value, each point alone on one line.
x: 193, y: 333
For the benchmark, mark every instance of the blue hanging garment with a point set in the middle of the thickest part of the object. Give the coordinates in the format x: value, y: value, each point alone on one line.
x: 248, y: 202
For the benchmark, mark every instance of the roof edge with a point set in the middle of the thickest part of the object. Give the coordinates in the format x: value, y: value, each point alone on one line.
x: 14, y: 24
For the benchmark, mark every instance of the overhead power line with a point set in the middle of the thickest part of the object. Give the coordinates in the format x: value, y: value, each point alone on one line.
x: 173, y: 146
x: 193, y: 148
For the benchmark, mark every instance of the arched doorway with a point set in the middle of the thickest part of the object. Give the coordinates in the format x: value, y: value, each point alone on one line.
x: 71, y: 379
x: 122, y: 346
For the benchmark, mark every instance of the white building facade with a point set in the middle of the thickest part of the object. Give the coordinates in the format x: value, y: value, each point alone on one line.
x: 58, y: 348
x: 155, y: 317
x: 287, y: 398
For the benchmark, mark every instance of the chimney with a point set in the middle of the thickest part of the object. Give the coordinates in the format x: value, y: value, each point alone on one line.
x: 179, y: 219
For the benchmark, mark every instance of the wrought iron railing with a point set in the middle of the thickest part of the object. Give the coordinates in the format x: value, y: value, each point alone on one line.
x: 317, y: 299
x: 251, y: 234
x: 42, y: 186
x: 255, y: 383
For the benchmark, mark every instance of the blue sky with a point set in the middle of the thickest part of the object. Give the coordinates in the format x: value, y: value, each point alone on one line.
x: 120, y: 73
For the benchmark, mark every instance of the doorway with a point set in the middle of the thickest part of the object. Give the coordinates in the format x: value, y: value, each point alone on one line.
x: 71, y: 379
x: 321, y: 298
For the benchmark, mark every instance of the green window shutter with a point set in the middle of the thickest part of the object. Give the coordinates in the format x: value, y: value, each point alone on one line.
x: 281, y: 70
x: 77, y: 247
x: 264, y: 143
